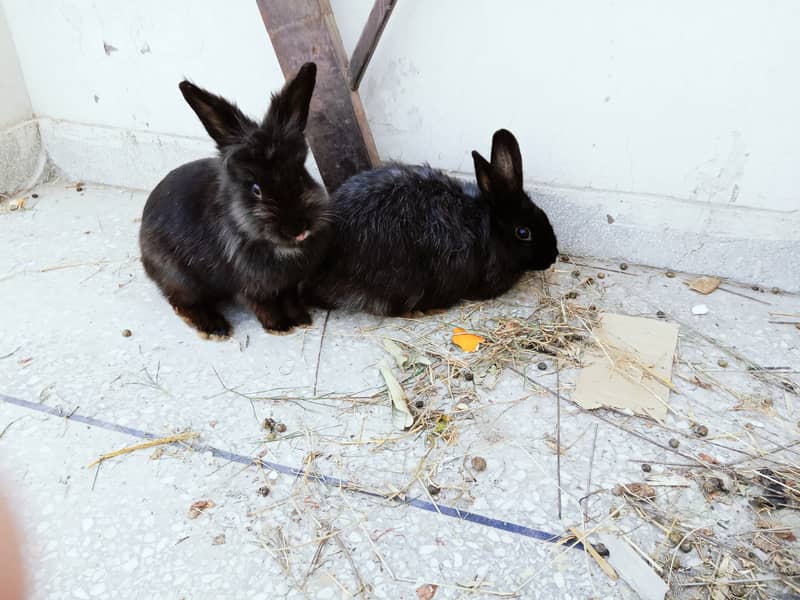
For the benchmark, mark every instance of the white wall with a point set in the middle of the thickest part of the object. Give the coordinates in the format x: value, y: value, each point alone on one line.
x: 677, y: 120
x: 685, y: 100
x: 73, y: 73
x: 21, y: 156
x: 15, y: 105
x: 103, y: 79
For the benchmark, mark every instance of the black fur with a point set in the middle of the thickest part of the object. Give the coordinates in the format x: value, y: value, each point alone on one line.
x: 207, y: 237
x: 411, y: 238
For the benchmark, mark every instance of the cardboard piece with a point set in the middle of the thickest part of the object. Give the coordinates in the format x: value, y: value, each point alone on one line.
x: 633, y: 569
x: 632, y: 371
x: 704, y: 285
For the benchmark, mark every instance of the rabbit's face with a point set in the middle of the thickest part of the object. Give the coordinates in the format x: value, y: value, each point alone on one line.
x: 519, y: 224
x: 526, y: 228
x: 276, y: 198
x: 272, y: 197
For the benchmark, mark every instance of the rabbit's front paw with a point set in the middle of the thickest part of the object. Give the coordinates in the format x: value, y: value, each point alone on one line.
x: 210, y: 324
x: 299, y: 316
x: 273, y: 317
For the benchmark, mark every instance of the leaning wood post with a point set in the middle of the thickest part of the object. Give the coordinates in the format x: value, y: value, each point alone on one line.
x: 368, y: 41
x: 337, y: 130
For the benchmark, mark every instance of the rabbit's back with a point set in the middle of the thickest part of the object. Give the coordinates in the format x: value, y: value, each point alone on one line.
x: 400, y: 201
x: 178, y: 227
x: 406, y: 237
x: 179, y: 202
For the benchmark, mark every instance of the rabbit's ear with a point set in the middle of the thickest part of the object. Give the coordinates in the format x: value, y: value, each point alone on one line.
x: 483, y: 172
x: 506, y: 160
x: 224, y: 122
x: 290, y: 105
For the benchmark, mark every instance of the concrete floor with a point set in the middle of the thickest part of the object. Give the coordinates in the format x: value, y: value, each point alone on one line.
x: 71, y: 282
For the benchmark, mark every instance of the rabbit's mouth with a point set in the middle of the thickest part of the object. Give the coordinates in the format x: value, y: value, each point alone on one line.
x: 292, y: 240
x: 542, y: 264
x: 289, y: 243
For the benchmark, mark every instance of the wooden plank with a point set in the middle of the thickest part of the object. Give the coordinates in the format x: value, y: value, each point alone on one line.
x: 370, y: 35
x: 337, y: 130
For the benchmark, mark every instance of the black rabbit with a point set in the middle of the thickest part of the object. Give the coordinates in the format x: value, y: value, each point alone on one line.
x: 247, y: 225
x: 411, y: 238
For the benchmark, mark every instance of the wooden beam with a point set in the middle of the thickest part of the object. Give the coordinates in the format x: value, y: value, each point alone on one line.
x: 337, y: 130
x: 370, y: 35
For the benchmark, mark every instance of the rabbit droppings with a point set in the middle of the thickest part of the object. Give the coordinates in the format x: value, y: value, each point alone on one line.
x: 247, y: 225
x: 409, y: 238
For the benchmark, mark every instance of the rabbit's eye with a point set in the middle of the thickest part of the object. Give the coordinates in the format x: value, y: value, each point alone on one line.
x: 523, y: 233
x: 256, y: 190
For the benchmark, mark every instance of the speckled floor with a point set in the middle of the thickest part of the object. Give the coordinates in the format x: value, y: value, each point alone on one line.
x: 71, y: 282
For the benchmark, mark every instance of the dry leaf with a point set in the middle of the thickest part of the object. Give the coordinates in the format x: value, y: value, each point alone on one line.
x: 218, y: 539
x: 18, y: 204
x: 708, y: 459
x: 401, y: 416
x: 699, y: 382
x: 468, y: 342
x: 402, y: 357
x: 427, y: 591
x: 704, y: 285
x: 638, y: 491
x: 197, y: 508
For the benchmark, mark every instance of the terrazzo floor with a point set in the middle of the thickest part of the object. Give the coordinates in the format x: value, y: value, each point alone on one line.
x: 71, y: 282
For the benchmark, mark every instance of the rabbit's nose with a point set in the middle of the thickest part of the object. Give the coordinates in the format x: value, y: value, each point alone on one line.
x: 302, y: 236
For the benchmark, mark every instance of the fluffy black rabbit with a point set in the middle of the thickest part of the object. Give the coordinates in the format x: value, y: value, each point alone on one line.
x: 411, y: 238
x: 248, y: 225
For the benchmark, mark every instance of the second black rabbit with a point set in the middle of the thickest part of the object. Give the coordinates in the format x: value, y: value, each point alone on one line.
x: 410, y: 238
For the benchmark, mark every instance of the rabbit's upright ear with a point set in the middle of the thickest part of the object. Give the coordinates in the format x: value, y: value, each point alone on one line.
x: 507, y: 160
x: 224, y: 122
x: 290, y: 106
x: 483, y: 172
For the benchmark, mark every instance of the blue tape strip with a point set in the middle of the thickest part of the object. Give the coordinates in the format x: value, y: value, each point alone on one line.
x: 441, y: 509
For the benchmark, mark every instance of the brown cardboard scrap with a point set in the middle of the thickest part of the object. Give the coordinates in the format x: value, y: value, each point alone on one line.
x: 704, y: 285
x: 630, y: 367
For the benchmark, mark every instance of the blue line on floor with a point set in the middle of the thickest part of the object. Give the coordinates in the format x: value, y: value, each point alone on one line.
x: 441, y: 509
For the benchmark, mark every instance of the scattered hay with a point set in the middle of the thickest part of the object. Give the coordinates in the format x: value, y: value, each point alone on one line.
x: 557, y: 329
x: 172, y: 439
x: 728, y: 562
x: 444, y: 388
